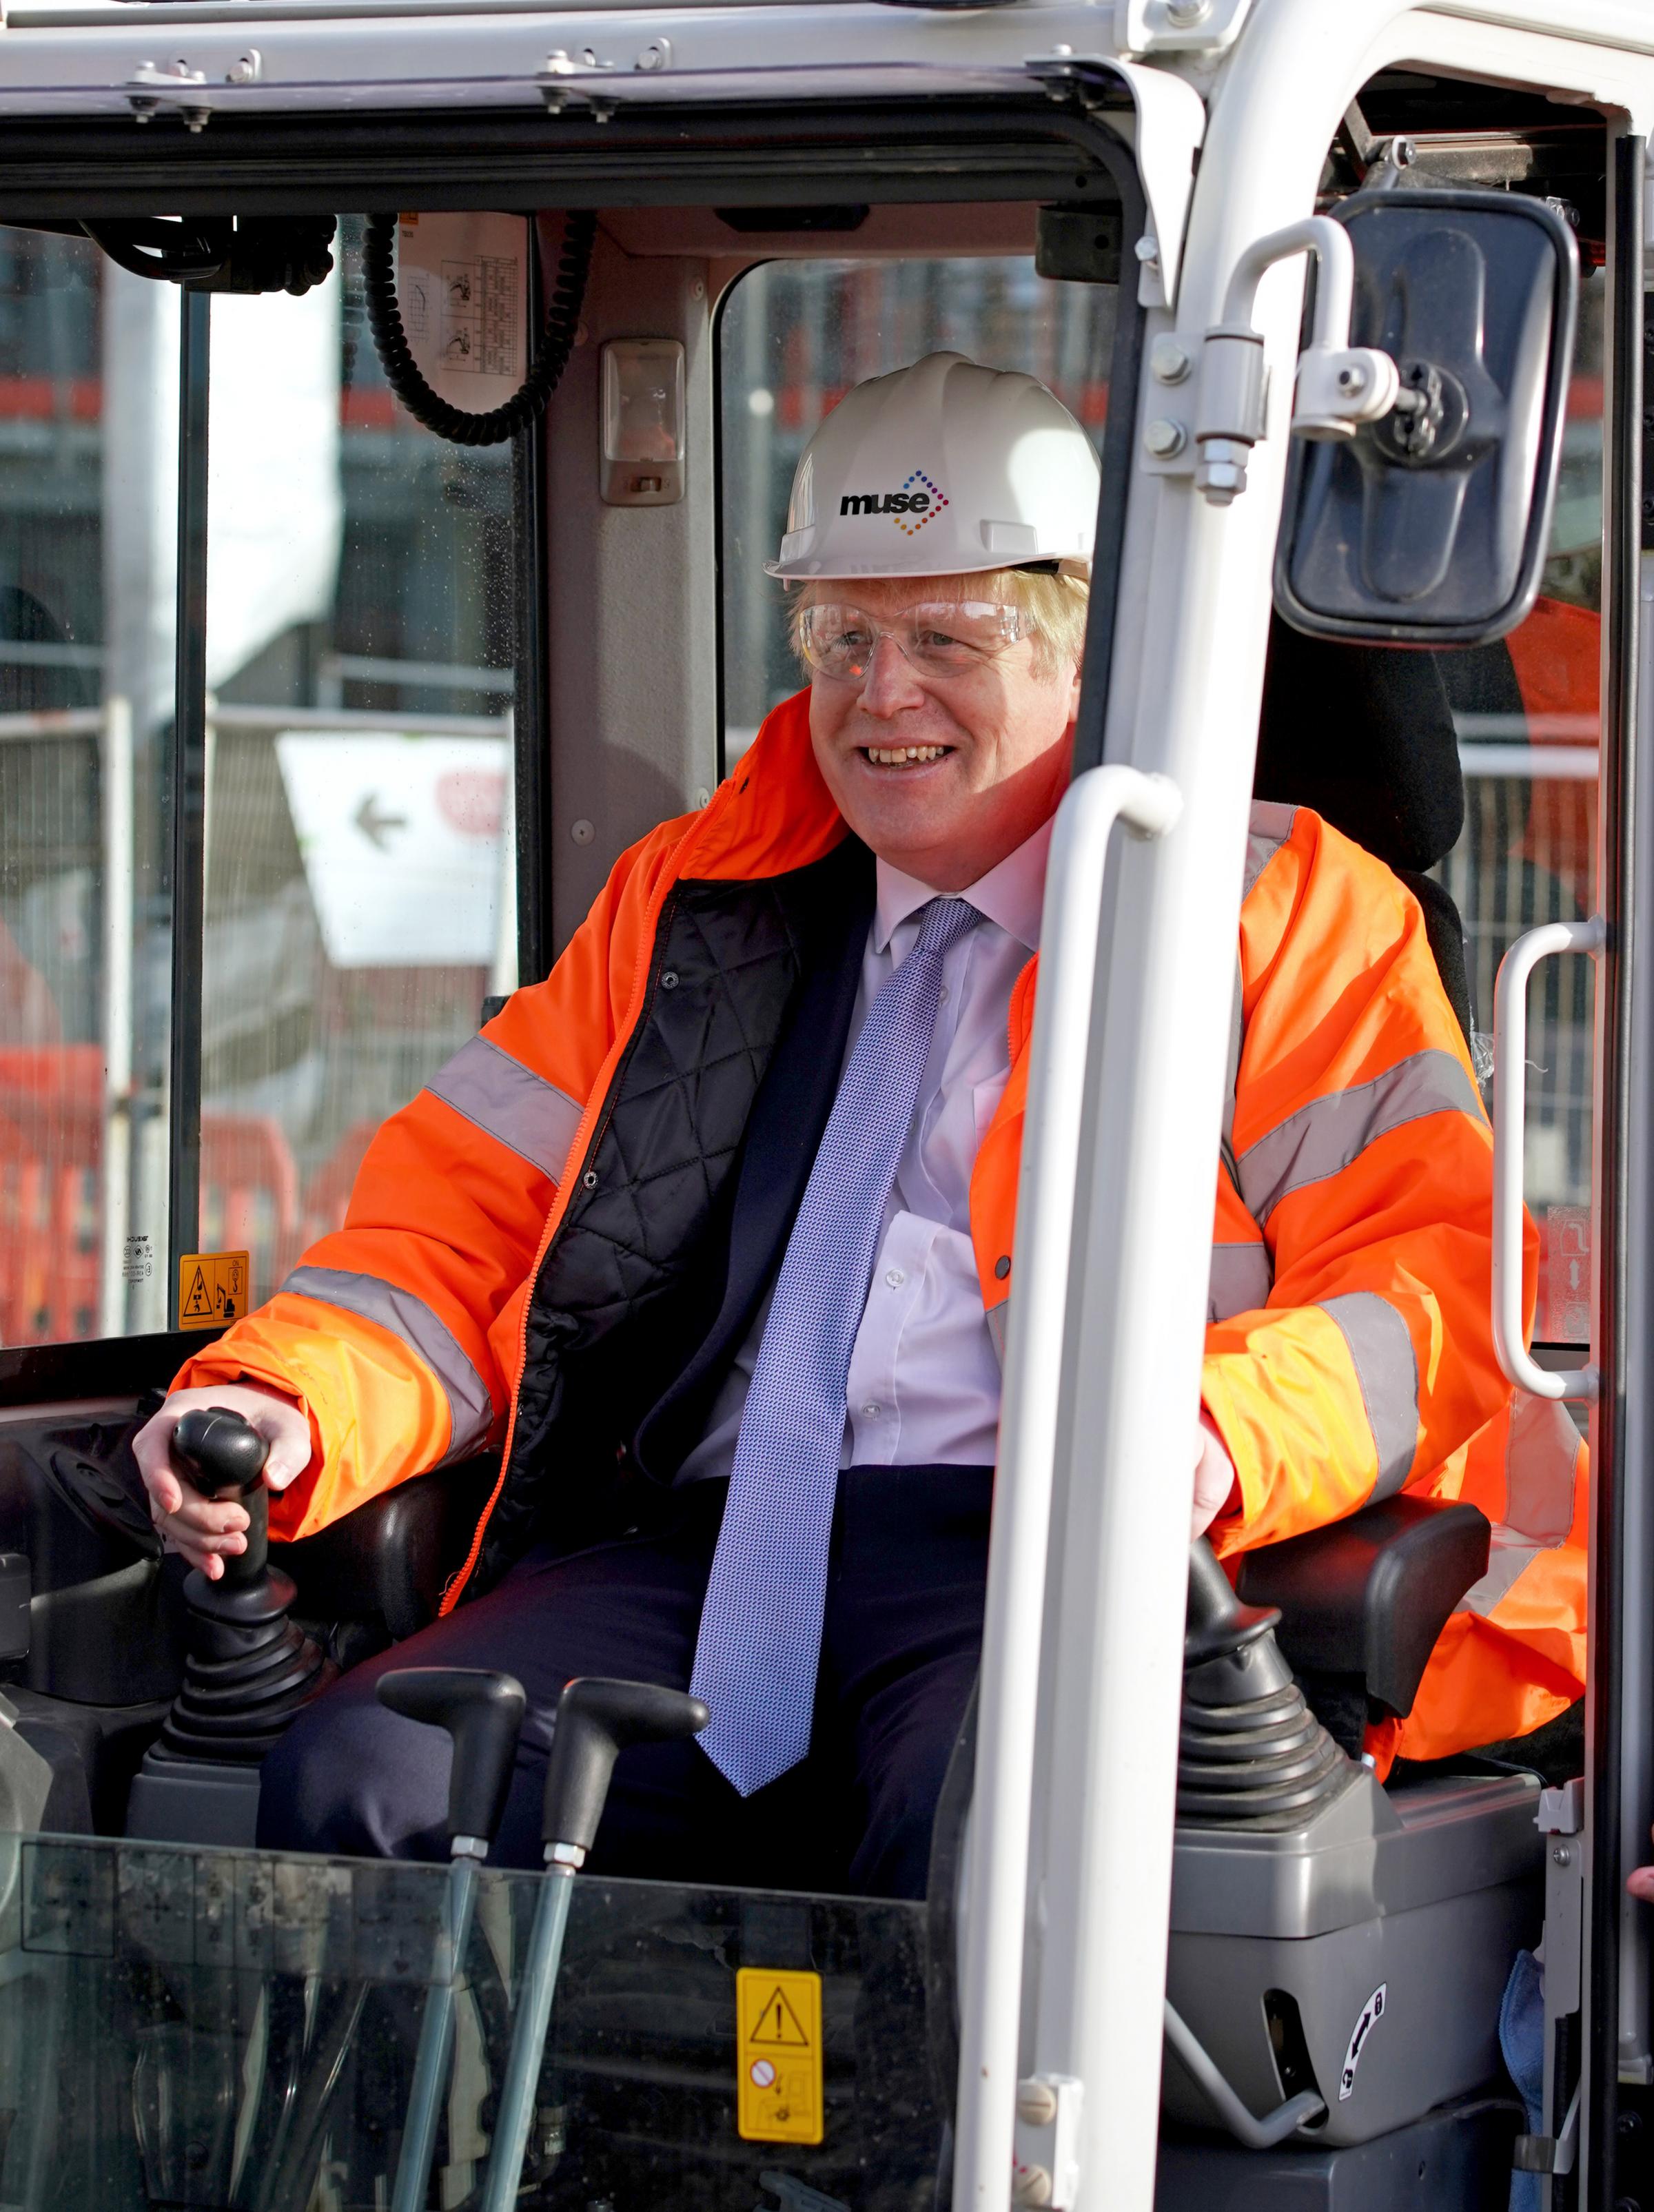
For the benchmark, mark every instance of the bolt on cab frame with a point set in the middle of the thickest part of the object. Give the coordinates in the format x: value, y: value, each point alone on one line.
x: 1212, y: 123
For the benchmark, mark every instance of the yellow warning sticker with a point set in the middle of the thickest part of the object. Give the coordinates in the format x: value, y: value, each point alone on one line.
x: 778, y: 2055
x: 212, y: 1288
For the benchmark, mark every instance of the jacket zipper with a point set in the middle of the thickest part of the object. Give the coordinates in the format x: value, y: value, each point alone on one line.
x: 643, y: 991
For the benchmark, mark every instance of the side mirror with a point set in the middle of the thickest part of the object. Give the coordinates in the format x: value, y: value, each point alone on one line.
x: 1429, y: 525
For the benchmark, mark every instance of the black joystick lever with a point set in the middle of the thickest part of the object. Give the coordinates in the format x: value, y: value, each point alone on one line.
x: 483, y: 1713
x: 247, y: 1668
x: 597, y: 1718
x: 1251, y: 1754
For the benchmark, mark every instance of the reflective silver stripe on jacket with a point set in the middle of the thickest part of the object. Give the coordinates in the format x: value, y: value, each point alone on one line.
x: 1271, y: 826
x: 470, y: 1410
x: 509, y: 1103
x: 1540, y: 1448
x: 1240, y: 1279
x: 1385, y: 1367
x: 999, y: 1319
x: 1232, y: 1074
x: 1325, y: 1136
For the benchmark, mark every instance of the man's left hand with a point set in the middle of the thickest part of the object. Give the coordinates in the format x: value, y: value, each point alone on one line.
x: 1215, y: 1481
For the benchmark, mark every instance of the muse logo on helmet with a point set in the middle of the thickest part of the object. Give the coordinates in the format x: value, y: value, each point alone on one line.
x: 923, y: 506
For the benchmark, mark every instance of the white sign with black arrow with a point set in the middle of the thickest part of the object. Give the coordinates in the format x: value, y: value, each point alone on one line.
x: 402, y: 839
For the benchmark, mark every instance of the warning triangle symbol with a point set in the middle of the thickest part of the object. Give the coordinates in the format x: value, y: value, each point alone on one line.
x: 779, y: 2023
x: 198, y: 1306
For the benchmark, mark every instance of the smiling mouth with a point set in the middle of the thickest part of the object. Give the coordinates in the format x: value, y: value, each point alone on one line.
x: 903, y: 756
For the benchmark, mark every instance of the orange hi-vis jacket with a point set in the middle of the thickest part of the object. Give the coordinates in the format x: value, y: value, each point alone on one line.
x: 523, y: 1226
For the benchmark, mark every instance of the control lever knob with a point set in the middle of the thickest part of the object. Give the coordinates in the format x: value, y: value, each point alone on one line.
x: 596, y: 1719
x: 1217, y: 1624
x: 219, y: 1451
x: 224, y: 1456
x: 483, y: 1711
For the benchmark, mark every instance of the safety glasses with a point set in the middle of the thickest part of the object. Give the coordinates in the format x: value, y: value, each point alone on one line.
x: 952, y: 637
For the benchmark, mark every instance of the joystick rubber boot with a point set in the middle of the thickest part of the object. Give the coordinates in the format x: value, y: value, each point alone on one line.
x: 1251, y: 1754
x: 247, y: 1668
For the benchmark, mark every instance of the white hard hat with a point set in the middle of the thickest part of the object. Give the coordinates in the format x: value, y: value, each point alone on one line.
x: 940, y: 470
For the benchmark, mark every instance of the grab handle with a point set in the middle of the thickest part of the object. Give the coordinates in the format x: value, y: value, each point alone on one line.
x: 1510, y: 1103
x: 997, y: 1880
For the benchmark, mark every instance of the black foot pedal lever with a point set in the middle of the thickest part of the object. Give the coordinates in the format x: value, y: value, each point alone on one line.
x: 596, y: 1720
x: 483, y: 1713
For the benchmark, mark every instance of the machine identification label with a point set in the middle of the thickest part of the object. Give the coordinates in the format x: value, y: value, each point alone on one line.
x: 778, y: 2055
x: 212, y: 1288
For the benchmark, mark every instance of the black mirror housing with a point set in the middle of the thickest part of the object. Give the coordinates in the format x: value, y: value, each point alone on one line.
x: 1430, y: 526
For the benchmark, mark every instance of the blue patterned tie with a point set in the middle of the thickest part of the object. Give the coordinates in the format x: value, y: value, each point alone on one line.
x: 760, y: 1643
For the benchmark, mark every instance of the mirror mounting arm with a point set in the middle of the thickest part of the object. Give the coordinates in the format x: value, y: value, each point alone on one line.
x: 1339, y: 387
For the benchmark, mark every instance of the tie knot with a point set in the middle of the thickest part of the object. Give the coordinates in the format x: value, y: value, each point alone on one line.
x: 945, y: 921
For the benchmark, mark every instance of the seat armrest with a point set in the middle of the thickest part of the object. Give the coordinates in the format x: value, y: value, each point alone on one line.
x: 1368, y: 1597
x: 391, y: 1557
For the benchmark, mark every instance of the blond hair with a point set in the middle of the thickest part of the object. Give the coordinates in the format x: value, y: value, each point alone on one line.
x: 1054, y: 606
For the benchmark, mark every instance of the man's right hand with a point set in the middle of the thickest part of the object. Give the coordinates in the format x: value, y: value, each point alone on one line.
x: 204, y: 1530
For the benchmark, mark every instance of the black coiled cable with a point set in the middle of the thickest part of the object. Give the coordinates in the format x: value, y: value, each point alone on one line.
x: 556, y: 340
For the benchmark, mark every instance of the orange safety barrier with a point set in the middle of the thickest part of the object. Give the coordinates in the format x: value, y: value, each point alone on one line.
x: 326, y: 1195
x: 249, y: 1193
x: 51, y: 1210
x: 50, y: 1129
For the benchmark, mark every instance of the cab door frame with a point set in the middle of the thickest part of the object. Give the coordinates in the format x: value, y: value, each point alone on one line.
x: 1187, y: 675
x: 1618, y: 2053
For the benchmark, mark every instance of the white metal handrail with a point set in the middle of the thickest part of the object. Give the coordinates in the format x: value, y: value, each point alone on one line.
x: 1510, y: 1102
x: 996, y: 1888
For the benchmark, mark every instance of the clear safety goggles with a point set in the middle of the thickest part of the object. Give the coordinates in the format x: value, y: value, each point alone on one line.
x: 950, y: 637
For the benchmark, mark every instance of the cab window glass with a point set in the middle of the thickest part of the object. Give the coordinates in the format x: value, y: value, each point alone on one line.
x: 359, y: 652
x: 794, y: 336
x: 358, y: 648
x: 1526, y: 712
x: 89, y: 440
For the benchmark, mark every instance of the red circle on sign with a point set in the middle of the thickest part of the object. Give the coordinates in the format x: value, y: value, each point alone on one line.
x: 472, y: 801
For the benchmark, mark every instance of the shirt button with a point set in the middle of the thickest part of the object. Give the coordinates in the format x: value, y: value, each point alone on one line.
x: 1002, y: 1266
x: 942, y: 996
x: 894, y: 1277
x: 872, y: 1412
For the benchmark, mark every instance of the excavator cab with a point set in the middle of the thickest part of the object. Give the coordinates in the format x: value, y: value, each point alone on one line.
x: 397, y: 407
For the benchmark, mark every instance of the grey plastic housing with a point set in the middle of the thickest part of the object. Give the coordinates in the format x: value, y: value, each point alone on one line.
x: 1430, y: 527
x: 1457, y: 2157
x: 1424, y: 1894
x: 185, y: 1800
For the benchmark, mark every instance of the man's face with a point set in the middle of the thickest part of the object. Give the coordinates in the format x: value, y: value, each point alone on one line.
x: 992, y: 744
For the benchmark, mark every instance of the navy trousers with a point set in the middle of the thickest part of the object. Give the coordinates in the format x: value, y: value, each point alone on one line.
x: 900, y: 1648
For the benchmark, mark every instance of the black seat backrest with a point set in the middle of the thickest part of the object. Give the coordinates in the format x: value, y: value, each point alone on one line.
x: 1365, y: 735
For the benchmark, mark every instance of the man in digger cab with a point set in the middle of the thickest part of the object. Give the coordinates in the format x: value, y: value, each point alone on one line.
x: 710, y: 1233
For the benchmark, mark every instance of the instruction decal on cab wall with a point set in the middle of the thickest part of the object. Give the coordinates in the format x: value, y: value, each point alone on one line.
x: 212, y: 1288
x: 778, y: 2055
x: 1371, y: 2012
x: 462, y: 288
